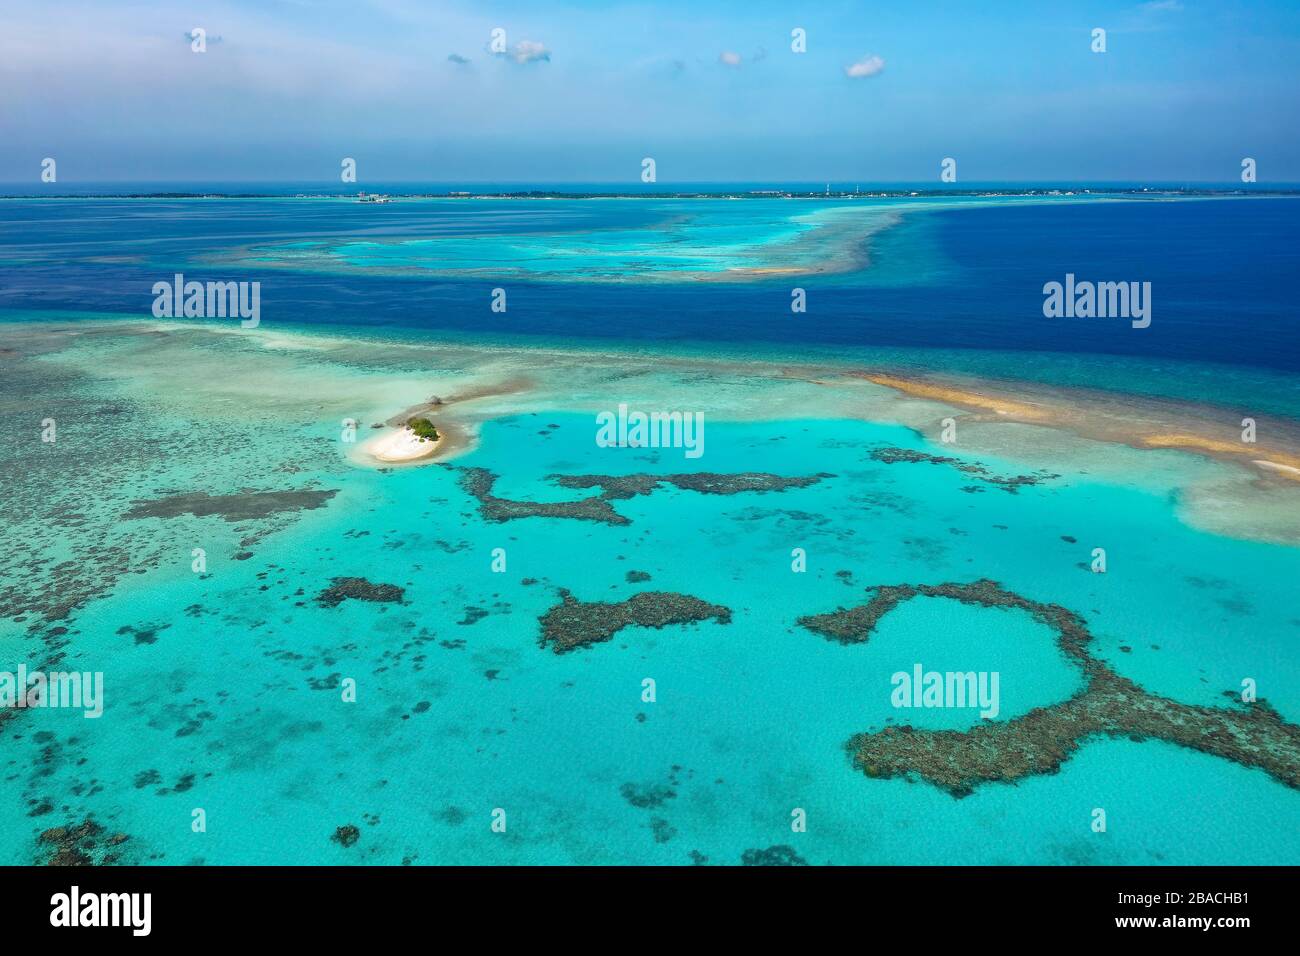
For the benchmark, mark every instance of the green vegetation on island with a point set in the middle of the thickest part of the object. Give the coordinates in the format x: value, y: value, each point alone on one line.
x: 423, y: 429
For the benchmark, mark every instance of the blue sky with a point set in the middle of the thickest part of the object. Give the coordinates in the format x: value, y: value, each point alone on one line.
x: 712, y: 91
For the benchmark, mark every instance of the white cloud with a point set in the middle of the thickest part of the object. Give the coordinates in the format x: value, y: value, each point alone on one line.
x: 867, y: 66
x: 530, y: 51
x: 728, y: 58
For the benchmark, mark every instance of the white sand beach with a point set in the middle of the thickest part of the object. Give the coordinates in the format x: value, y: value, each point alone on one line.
x: 401, y: 445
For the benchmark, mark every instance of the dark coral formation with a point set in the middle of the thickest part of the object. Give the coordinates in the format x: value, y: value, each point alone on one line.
x: 779, y: 855
x: 346, y: 835
x: 143, y: 633
x: 617, y: 487
x: 81, y: 845
x: 237, y: 507
x: 478, y: 482
x: 1012, y: 484
x: 1252, y: 735
x: 663, y: 830
x: 646, y: 795
x: 573, y: 623
x: 358, y: 589
x: 854, y: 625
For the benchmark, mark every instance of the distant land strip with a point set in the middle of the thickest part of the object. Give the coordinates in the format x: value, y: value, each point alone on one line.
x: 720, y: 193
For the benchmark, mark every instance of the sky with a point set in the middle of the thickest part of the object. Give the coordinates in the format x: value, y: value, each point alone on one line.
x: 712, y: 91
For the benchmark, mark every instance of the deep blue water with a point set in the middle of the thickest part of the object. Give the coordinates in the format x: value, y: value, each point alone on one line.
x: 1222, y: 274
x: 1223, y: 277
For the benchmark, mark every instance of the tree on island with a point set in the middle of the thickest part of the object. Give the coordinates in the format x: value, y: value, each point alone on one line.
x: 423, y: 429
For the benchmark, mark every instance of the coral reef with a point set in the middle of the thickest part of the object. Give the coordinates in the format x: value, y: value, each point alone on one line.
x: 237, y: 507
x: 479, y: 482
x: 1252, y: 735
x: 780, y: 855
x: 82, y: 845
x: 346, y: 835
x: 1012, y: 484
x: 358, y: 589
x: 573, y: 623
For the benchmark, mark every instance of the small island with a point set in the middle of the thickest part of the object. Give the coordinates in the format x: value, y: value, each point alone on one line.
x: 417, y: 439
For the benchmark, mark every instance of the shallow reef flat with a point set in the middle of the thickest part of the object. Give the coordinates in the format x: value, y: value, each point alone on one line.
x: 236, y: 507
x: 483, y: 608
x: 679, y: 241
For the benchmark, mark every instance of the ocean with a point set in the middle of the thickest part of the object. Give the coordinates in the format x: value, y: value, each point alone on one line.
x: 628, y: 655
